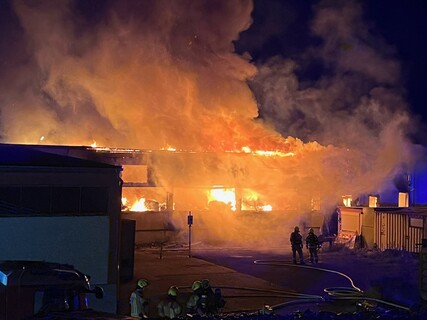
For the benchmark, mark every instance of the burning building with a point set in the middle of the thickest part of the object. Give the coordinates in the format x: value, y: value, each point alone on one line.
x: 228, y: 192
x: 198, y: 126
x: 214, y: 186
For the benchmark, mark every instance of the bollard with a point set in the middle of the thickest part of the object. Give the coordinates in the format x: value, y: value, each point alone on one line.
x: 190, y: 223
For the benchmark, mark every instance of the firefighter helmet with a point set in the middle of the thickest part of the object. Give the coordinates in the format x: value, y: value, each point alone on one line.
x: 205, y: 283
x: 173, y: 291
x: 142, y: 283
x: 296, y: 229
x: 196, y: 285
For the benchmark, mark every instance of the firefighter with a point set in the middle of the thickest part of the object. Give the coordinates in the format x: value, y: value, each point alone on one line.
x: 312, y: 244
x: 207, y: 304
x: 193, y: 301
x: 139, y: 304
x: 297, y: 245
x: 170, y: 308
x: 204, y: 301
x: 219, y: 300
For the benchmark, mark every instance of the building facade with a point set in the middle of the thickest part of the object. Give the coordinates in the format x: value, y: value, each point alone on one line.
x: 61, y: 209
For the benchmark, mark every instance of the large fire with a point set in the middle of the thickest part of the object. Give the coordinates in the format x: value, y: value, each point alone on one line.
x: 250, y: 201
x: 165, y: 77
x: 233, y: 198
x: 227, y: 196
x: 141, y: 205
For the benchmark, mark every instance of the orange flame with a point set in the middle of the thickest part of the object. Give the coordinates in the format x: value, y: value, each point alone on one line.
x: 250, y: 200
x: 276, y: 153
x: 227, y: 196
x: 347, y: 200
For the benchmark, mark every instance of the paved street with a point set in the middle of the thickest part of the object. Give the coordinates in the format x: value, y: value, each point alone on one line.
x: 250, y: 279
x: 392, y: 275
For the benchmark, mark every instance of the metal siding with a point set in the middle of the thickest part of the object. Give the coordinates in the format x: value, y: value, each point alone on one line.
x: 393, y: 231
x: 383, y: 232
x: 415, y: 237
x: 351, y: 220
x: 378, y: 230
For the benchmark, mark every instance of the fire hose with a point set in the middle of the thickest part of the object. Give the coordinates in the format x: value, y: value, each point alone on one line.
x: 334, y: 293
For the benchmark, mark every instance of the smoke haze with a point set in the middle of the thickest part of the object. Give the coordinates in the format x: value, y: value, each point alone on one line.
x: 154, y: 74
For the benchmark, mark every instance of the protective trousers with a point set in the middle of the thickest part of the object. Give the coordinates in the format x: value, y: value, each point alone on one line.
x: 313, y: 254
x: 297, y: 248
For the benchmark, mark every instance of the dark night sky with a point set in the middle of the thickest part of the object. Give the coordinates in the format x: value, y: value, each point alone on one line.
x: 283, y: 28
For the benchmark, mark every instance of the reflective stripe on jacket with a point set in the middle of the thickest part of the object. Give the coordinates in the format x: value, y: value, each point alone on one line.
x: 169, y: 309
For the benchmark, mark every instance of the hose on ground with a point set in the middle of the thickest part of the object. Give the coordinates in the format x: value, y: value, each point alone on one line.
x: 335, y: 293
x: 288, y: 264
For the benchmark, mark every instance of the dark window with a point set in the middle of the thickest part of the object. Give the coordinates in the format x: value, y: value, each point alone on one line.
x: 36, y: 199
x: 94, y: 200
x: 65, y: 200
x: 10, y: 198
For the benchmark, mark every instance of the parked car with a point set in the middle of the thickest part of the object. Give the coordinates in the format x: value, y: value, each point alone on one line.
x: 46, y: 290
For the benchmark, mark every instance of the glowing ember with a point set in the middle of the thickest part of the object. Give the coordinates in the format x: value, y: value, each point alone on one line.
x: 93, y: 145
x: 274, y: 153
x: 169, y: 148
x: 267, y: 153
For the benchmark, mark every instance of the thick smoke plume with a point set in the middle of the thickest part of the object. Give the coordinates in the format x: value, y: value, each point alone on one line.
x: 356, y: 103
x: 357, y: 97
x: 146, y: 74
x: 158, y: 74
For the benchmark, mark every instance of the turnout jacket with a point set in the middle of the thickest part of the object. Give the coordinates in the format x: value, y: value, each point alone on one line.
x: 296, y: 239
x: 312, y: 241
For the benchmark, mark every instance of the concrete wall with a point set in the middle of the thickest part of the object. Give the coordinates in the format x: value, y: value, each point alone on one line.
x: 79, y: 241
x: 88, y: 241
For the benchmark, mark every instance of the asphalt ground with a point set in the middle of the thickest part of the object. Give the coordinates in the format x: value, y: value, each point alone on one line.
x: 175, y: 267
x: 250, y: 279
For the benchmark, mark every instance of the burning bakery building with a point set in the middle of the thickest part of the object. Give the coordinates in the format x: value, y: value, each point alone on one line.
x: 245, y: 197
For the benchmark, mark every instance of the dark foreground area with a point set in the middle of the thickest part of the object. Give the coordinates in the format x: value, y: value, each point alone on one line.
x: 309, y: 315
x: 345, y: 284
